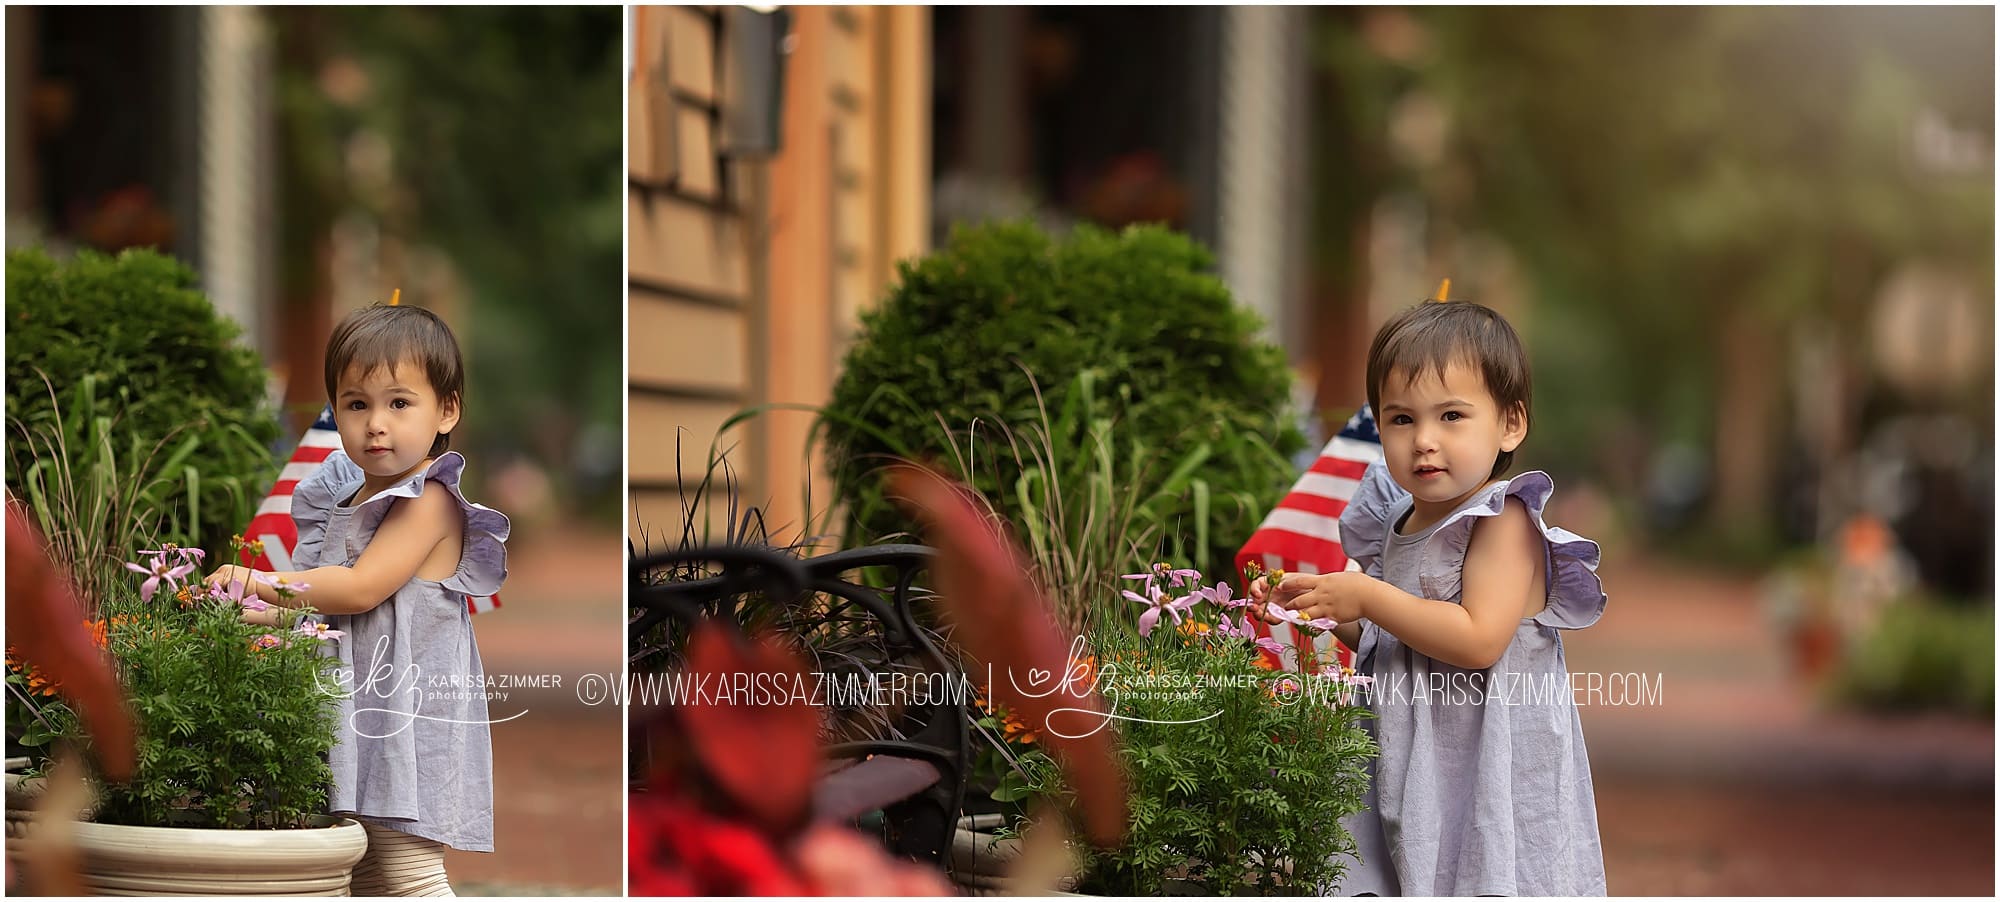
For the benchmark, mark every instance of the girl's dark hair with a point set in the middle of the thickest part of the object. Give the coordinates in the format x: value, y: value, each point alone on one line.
x: 1432, y: 335
x: 384, y: 336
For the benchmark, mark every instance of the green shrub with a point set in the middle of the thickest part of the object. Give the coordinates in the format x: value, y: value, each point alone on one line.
x: 967, y: 332
x: 1923, y: 655
x: 161, y: 359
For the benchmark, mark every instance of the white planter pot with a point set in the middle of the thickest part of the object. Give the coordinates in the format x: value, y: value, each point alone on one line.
x: 981, y: 860
x: 177, y: 861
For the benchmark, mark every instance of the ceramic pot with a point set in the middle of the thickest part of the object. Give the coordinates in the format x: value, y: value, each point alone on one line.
x: 181, y: 861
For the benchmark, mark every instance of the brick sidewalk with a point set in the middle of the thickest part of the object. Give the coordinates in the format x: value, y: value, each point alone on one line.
x: 559, y: 773
x: 1741, y: 782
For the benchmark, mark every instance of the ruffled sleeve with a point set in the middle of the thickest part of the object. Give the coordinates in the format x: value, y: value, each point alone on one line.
x: 313, y: 500
x: 482, y: 562
x: 1364, y: 525
x: 1576, y: 596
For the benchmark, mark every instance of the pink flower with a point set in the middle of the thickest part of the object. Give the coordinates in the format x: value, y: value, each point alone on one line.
x: 1220, y: 596
x: 317, y: 631
x: 1157, y: 604
x: 268, y: 640
x: 159, y: 571
x: 1297, y: 619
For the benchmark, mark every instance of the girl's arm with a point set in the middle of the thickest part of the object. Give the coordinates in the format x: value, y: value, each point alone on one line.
x: 412, y: 529
x: 1499, y: 573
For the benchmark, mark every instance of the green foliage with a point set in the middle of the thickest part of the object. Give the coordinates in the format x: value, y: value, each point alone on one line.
x: 1664, y: 177
x: 1923, y: 655
x: 1135, y: 320
x: 231, y: 735
x: 1237, y: 786
x: 504, y: 134
x: 1087, y: 497
x: 112, y: 360
x: 95, y: 494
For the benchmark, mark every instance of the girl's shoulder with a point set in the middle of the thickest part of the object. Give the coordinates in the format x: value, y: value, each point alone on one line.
x: 483, y: 556
x: 1576, y: 596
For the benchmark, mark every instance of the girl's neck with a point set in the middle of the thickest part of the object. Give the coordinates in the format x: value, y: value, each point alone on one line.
x: 372, y: 485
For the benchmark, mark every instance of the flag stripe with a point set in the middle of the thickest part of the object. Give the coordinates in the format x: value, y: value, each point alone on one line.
x: 1336, y: 487
x: 1304, y: 523
x: 293, y: 472
x: 1311, y: 503
x: 1302, y: 533
x: 1342, y: 467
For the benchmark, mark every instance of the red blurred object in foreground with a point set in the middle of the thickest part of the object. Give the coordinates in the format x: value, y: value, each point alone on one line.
x: 1005, y: 622
x: 728, y: 808
x: 45, y: 621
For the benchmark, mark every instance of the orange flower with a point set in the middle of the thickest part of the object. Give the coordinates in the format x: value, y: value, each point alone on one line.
x: 38, y: 682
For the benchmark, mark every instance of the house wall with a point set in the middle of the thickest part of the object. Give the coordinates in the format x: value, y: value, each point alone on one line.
x: 747, y: 277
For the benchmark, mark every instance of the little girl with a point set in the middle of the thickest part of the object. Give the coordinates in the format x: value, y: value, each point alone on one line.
x: 1482, y: 786
x: 392, y: 550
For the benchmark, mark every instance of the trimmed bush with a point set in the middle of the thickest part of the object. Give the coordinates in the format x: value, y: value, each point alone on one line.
x: 163, y: 363
x: 970, y: 333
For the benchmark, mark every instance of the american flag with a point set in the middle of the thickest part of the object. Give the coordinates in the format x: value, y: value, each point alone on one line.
x: 1302, y: 534
x: 273, y: 523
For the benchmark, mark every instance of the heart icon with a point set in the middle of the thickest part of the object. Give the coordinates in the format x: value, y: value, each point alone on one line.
x: 1038, y: 676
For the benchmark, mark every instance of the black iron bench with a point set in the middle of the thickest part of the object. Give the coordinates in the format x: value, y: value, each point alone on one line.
x: 909, y: 762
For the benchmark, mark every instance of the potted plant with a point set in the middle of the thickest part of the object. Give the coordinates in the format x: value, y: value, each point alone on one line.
x: 1240, y: 774
x: 136, y: 421
x: 235, y: 722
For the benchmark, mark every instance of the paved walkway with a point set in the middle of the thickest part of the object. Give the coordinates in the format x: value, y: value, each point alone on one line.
x: 1739, y: 781
x: 559, y: 775
x: 1736, y: 782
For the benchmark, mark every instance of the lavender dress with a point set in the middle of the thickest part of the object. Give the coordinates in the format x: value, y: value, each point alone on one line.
x: 413, y: 752
x: 1483, y: 785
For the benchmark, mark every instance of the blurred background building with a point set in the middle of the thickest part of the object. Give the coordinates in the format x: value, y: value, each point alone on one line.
x: 309, y: 161
x: 1750, y: 250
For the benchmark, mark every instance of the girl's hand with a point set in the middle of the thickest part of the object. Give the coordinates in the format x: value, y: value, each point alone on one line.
x: 1289, y: 588
x: 234, y: 573
x: 1335, y: 596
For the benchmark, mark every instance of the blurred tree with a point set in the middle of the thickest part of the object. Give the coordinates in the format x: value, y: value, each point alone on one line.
x: 494, y: 135
x: 1685, y: 186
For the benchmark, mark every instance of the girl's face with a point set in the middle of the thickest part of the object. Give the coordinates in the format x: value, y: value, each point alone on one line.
x: 388, y: 419
x: 1442, y: 433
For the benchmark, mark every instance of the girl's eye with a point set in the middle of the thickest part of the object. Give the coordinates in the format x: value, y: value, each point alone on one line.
x: 400, y: 403
x: 356, y: 405
x: 1453, y: 416
x: 1400, y: 420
